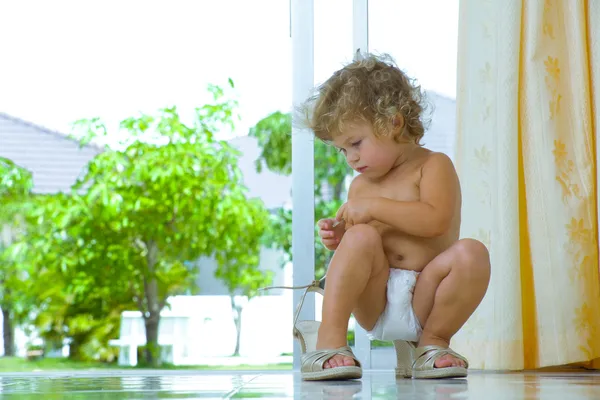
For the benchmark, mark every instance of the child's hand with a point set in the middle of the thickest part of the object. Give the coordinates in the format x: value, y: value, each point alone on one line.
x: 355, y: 211
x: 330, y: 236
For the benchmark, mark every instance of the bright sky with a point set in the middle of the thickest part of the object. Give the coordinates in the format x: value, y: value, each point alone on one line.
x: 65, y: 60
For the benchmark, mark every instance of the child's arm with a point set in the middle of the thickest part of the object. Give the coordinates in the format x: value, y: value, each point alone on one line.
x: 430, y: 216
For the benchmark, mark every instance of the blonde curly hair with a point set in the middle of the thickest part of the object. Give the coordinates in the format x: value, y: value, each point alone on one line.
x: 373, y: 90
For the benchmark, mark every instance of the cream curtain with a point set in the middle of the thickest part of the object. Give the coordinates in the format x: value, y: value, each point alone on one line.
x: 528, y: 105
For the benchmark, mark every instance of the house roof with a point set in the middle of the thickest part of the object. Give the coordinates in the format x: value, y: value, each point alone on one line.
x: 54, y: 159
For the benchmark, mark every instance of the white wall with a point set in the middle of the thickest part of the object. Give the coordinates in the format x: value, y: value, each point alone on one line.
x: 270, y: 260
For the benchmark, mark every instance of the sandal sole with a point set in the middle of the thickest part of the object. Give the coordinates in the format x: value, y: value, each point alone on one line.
x: 405, y: 373
x: 440, y: 373
x: 338, y: 373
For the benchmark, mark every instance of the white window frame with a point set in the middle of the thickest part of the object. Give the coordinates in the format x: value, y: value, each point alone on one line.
x: 303, y: 199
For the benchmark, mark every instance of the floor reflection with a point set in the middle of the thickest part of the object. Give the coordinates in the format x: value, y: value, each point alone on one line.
x: 288, y: 385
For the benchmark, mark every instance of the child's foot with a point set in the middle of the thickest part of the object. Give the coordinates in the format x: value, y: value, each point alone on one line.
x: 449, y: 361
x: 339, y: 361
x: 328, y: 341
x: 445, y: 361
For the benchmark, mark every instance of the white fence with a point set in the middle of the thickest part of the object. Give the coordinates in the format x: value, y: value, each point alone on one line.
x: 197, y: 328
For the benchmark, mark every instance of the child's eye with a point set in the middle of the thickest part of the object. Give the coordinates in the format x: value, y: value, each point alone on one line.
x: 357, y: 143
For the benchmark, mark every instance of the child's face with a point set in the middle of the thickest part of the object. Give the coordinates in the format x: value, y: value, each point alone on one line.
x: 366, y: 153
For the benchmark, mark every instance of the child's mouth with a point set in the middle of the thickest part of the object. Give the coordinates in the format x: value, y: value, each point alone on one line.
x: 361, y: 169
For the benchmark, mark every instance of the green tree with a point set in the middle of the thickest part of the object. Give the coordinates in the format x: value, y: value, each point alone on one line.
x: 77, y: 277
x: 16, y: 184
x: 35, y: 292
x: 274, y: 134
x: 143, y: 214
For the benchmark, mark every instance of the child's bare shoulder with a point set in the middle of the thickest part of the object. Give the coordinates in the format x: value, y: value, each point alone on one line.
x: 438, y: 176
x: 357, y: 186
x: 435, y: 162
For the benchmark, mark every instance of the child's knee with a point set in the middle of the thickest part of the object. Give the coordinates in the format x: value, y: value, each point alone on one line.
x: 472, y: 251
x: 362, y: 236
x: 473, y: 256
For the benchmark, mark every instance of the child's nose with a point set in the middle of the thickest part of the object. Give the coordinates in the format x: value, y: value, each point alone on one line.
x: 353, y: 156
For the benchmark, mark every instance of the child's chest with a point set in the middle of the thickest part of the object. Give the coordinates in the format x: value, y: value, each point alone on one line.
x: 401, y: 187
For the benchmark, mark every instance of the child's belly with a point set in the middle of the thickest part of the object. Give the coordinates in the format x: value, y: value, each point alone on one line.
x: 407, y: 252
x: 411, y: 252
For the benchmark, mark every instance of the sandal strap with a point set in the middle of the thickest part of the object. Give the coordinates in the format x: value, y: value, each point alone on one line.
x: 316, y: 286
x: 426, y: 356
x: 313, y: 361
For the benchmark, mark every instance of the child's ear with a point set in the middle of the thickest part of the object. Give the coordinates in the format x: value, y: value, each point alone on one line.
x: 399, y: 121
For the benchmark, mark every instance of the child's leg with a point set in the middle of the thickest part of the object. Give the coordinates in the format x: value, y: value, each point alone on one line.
x: 356, y: 283
x: 448, y: 291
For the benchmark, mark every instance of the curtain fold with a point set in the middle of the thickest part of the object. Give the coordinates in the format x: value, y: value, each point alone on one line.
x: 527, y: 101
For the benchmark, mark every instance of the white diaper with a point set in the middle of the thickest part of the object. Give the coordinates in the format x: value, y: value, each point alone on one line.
x: 398, y: 321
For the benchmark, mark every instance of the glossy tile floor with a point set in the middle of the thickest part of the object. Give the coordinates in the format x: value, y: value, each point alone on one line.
x: 287, y: 385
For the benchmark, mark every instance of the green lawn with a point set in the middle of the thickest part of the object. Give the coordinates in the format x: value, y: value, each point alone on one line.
x: 15, y: 364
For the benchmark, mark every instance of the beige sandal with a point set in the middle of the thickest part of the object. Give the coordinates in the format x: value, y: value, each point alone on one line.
x: 313, y: 360
x: 405, y: 355
x: 419, y: 362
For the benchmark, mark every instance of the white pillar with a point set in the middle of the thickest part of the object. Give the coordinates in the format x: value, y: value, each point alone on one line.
x: 360, y: 25
x: 303, y: 197
x: 360, y: 42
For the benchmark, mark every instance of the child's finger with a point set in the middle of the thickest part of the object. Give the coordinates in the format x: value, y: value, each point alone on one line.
x: 340, y: 214
x: 339, y: 227
x: 326, y: 223
x: 326, y: 234
x: 330, y: 242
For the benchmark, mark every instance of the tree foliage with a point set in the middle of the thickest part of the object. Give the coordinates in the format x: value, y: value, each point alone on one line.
x: 130, y: 232
x: 16, y: 184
